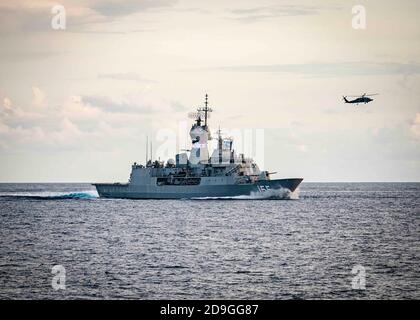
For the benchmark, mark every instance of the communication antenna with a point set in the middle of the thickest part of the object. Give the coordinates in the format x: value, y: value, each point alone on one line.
x: 220, y: 144
x: 147, y: 148
x: 151, y: 150
x: 219, y: 132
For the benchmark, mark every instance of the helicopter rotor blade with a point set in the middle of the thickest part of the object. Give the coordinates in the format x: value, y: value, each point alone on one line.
x: 362, y: 95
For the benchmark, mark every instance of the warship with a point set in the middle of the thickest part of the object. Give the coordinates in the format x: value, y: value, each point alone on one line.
x: 224, y: 174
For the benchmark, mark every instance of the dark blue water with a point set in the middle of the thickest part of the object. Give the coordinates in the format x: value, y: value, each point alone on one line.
x: 177, y: 249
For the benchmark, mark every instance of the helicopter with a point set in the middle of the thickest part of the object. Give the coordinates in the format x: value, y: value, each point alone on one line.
x: 364, y: 98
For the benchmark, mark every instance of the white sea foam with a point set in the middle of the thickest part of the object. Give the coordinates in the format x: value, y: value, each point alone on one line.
x: 271, y: 194
x: 87, y: 194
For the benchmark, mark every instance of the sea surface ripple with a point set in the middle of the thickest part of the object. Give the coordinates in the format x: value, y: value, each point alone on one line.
x: 303, y: 248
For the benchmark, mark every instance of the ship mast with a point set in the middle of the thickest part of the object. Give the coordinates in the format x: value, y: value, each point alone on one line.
x: 147, y: 149
x: 220, y: 144
x: 206, y: 109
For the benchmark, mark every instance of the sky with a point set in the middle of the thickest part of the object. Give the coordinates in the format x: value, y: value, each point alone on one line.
x: 76, y: 104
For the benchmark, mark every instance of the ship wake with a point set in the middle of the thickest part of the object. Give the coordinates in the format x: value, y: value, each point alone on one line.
x: 52, y: 195
x: 272, y: 194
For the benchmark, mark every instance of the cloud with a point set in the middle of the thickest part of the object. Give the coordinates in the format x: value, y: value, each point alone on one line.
x: 23, y: 16
x: 122, y: 8
x: 109, y: 32
x: 71, y: 125
x: 21, y: 56
x: 276, y: 11
x: 302, y: 148
x: 14, y: 115
x: 125, y: 76
x: 122, y: 106
x: 332, y: 69
x: 36, y: 15
x: 7, y: 104
x: 85, y: 16
x: 178, y: 107
x: 39, y: 99
x: 415, y: 127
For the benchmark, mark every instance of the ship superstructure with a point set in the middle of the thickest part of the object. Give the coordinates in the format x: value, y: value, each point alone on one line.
x: 221, y: 174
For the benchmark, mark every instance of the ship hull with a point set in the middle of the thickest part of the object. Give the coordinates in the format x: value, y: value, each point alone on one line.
x: 128, y: 191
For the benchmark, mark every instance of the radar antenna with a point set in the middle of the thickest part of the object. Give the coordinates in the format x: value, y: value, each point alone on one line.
x: 197, y: 116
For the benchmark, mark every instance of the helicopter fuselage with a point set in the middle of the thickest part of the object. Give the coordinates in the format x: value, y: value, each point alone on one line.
x: 359, y: 100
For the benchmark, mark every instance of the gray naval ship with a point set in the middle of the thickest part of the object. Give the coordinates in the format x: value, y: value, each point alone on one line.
x: 224, y: 174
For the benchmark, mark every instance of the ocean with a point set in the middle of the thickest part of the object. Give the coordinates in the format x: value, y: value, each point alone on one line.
x: 326, y: 241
